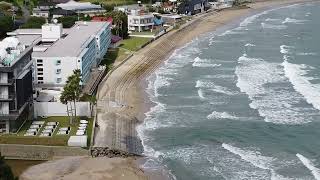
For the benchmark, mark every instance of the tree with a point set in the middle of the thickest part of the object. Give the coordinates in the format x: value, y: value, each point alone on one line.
x: 67, y: 21
x: 5, y: 170
x: 91, y: 99
x: 6, y: 25
x: 71, y: 93
x: 34, y: 23
x: 120, y: 22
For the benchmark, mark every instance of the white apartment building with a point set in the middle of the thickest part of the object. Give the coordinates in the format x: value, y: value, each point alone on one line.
x: 139, y: 21
x: 61, y: 51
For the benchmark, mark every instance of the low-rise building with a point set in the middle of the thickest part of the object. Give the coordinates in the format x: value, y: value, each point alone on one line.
x: 82, y: 8
x: 191, y: 7
x: 16, y: 90
x: 140, y: 21
x: 43, y: 9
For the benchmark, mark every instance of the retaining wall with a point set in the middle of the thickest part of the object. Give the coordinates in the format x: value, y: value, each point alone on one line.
x: 36, y: 152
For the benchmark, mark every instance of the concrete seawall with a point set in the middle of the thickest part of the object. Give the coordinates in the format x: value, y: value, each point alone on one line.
x: 35, y: 152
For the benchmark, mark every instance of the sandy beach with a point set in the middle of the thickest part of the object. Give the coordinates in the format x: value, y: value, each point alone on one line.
x: 122, y: 101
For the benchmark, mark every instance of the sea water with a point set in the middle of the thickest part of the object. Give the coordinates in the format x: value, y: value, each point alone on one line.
x: 240, y: 104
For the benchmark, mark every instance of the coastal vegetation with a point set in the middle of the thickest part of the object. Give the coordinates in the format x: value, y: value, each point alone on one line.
x: 34, y: 23
x: 5, y: 170
x: 71, y: 94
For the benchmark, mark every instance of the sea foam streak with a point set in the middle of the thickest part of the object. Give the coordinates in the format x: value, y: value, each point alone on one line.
x: 272, y: 26
x: 295, y: 73
x: 220, y: 115
x: 213, y: 87
x: 198, y: 62
x: 256, y: 159
x: 295, y: 21
x: 307, y: 163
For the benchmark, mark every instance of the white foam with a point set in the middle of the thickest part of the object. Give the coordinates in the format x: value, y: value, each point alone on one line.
x: 272, y: 26
x: 253, y: 157
x: 256, y: 159
x: 231, y: 32
x: 294, y: 21
x: 308, y: 164
x: 213, y: 87
x: 274, y: 105
x: 249, y: 45
x: 198, y: 62
x: 200, y: 94
x: 272, y: 20
x: 307, y: 54
x: 284, y: 49
x: 296, y: 74
x: 221, y: 115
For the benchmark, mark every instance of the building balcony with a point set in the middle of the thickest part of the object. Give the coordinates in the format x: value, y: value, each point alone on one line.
x: 8, y: 83
x: 6, y: 98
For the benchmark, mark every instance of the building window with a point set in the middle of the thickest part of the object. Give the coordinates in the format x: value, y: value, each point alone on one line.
x: 39, y: 64
x: 39, y: 60
x: 40, y: 69
x: 58, y: 71
x: 58, y: 80
x: 40, y: 82
x: 40, y: 74
x: 40, y: 78
x: 58, y: 62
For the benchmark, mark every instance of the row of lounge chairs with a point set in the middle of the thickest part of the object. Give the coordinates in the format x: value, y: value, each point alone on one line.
x: 82, y: 128
x: 49, y: 129
x: 34, y: 128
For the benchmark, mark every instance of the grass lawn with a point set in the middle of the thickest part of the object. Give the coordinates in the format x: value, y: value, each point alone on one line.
x: 114, y: 56
x: 134, y: 43
x: 55, y: 140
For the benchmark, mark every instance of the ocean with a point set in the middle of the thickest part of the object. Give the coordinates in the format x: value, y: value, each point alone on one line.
x: 240, y: 103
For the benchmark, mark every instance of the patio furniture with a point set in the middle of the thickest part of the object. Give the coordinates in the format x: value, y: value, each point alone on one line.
x: 80, y: 133
x: 82, y: 128
x: 49, y: 127
x: 38, y: 122
x: 83, y: 121
x: 32, y: 130
x: 52, y: 123
x: 83, y: 125
x: 34, y: 126
x: 47, y: 131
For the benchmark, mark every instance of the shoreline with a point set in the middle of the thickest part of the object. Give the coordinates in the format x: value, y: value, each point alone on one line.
x: 123, y: 100
x: 254, y: 9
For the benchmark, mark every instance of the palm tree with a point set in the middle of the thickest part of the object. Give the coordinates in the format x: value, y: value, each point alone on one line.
x: 71, y: 93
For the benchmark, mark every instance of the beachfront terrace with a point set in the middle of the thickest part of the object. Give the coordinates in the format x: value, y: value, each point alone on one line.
x: 56, y: 139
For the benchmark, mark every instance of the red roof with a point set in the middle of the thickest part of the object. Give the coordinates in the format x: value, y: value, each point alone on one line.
x: 102, y: 19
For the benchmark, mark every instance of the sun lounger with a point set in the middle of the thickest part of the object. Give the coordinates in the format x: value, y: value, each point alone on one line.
x: 49, y: 127
x: 47, y: 131
x: 82, y: 128
x: 83, y: 121
x: 34, y: 126
x: 65, y: 128
x: 83, y: 125
x: 80, y: 133
x: 32, y: 130
x: 38, y: 122
x: 30, y: 134
x: 52, y: 123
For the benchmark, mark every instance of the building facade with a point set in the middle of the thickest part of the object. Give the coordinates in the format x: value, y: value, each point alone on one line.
x: 16, y: 90
x: 82, y: 47
x: 58, y: 51
x: 139, y: 21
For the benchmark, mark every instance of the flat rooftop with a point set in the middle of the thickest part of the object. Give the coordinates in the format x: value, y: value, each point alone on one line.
x: 71, y: 44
